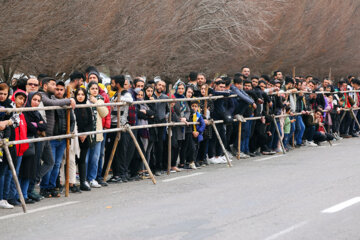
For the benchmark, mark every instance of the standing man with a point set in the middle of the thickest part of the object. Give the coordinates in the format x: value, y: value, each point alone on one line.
x: 161, y: 109
x: 245, y: 71
x: 48, y: 182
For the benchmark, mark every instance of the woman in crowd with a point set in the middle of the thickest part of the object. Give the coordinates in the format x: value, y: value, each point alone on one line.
x: 143, y: 113
x: 98, y: 113
x: 35, y: 125
x: 84, y: 124
x: 149, y: 154
x: 181, y: 112
x: 206, y: 107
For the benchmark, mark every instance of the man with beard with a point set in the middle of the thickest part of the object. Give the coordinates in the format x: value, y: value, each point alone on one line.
x: 125, y: 147
x: 161, y: 109
x: 76, y: 80
x: 48, y: 181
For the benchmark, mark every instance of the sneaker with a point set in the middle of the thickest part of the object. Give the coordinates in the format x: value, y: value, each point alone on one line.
x: 5, y: 205
x: 102, y: 183
x: 94, y: 184
x: 192, y: 166
x: 114, y: 179
x: 14, y: 202
x: 211, y: 160
x: 223, y: 158
x: 311, y: 144
x: 218, y: 160
x: 29, y: 201
x: 175, y: 169
x: 74, y: 189
x: 45, y: 193
x: 158, y: 173
x: 243, y: 155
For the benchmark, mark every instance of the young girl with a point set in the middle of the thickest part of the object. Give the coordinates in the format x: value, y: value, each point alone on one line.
x: 84, y: 124
x: 98, y: 113
x: 144, y: 113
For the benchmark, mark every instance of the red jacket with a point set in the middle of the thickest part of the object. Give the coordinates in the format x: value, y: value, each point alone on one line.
x: 21, y: 130
x: 21, y: 134
x: 106, y: 121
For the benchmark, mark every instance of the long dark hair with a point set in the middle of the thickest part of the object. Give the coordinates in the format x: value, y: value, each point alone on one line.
x: 77, y: 92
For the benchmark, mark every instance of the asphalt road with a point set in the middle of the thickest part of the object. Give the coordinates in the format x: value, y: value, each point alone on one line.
x: 309, y: 193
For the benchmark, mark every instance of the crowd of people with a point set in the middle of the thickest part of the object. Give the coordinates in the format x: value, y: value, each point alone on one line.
x: 309, y: 110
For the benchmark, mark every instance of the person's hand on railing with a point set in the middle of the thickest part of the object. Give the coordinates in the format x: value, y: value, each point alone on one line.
x: 72, y: 103
x: 92, y: 99
x: 184, y: 121
x: 254, y: 105
x: 3, y: 125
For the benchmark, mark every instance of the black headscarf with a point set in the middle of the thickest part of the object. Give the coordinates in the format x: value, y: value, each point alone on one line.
x: 32, y: 114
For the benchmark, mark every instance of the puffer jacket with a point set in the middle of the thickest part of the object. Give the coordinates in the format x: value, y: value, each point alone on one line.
x: 106, y: 121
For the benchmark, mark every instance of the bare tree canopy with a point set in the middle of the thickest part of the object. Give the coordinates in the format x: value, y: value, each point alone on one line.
x: 170, y: 38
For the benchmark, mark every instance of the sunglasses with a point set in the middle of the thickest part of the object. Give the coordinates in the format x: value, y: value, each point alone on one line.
x: 33, y: 84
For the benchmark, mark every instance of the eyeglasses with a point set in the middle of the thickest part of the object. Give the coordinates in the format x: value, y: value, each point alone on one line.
x: 33, y: 84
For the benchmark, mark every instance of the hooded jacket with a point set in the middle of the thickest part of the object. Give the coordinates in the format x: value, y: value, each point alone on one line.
x: 21, y: 130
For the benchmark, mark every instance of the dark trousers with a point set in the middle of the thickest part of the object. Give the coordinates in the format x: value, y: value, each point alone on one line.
x: 42, y: 152
x: 218, y: 149
x: 159, y: 149
x: 190, y: 148
x: 345, y: 124
x: 203, y: 149
x: 81, y: 161
x: 110, y: 139
x: 125, y: 151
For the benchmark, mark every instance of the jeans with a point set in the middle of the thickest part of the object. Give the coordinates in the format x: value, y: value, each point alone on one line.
x: 245, y: 136
x: 286, y: 139
x: 49, y: 179
x: 12, y: 193
x: 3, y: 170
x: 24, y: 184
x: 92, y: 161
x: 300, y: 129
x: 101, y: 158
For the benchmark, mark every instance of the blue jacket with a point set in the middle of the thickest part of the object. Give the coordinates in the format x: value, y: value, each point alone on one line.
x: 200, y: 127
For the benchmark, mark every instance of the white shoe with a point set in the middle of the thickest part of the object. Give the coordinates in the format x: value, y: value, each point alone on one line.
x: 87, y: 184
x: 95, y: 184
x: 192, y: 166
x: 218, y: 160
x: 229, y: 154
x: 311, y: 144
x: 211, y: 160
x: 4, y: 204
x: 224, y: 159
x: 243, y: 155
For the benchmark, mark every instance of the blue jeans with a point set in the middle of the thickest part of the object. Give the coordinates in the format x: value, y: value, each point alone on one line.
x: 13, y: 193
x: 286, y: 139
x: 101, y: 158
x: 92, y: 161
x: 245, y: 137
x: 300, y: 129
x: 49, y: 179
x: 3, y: 170
x: 24, y: 184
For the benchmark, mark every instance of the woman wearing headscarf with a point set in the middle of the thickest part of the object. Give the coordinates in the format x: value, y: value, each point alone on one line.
x: 98, y: 113
x: 84, y: 124
x: 35, y: 126
x: 182, y: 112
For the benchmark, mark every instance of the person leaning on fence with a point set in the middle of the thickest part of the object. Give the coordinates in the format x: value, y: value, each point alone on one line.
x: 216, y: 154
x: 17, y: 132
x: 98, y: 112
x: 120, y: 85
x: 143, y: 113
x: 48, y: 181
x: 35, y: 126
x: 8, y: 123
